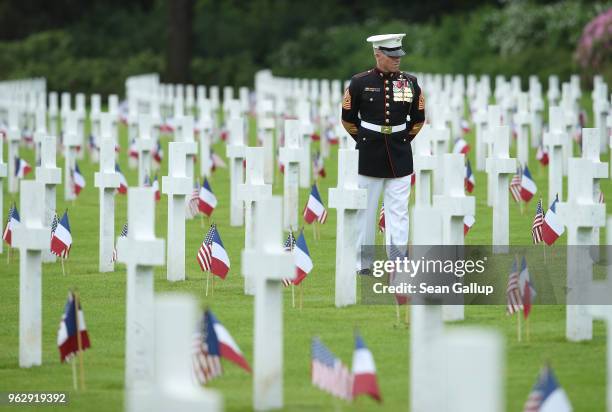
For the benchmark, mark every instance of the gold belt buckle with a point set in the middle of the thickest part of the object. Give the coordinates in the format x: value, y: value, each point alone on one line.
x: 385, y: 129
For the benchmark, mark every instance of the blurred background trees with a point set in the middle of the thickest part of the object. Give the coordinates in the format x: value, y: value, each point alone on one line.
x: 225, y: 42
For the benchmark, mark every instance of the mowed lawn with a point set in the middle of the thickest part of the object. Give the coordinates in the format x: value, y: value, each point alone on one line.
x: 579, y: 366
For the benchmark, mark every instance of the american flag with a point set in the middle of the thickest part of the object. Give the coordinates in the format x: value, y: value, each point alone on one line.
x: 289, y: 245
x: 205, y: 252
x: 536, y: 227
x: 124, y: 233
x: 192, y: 206
x: 318, y: 168
x: 600, y: 197
x: 515, y: 185
x: 381, y: 218
x: 206, y: 366
x: 513, y: 292
x: 328, y: 373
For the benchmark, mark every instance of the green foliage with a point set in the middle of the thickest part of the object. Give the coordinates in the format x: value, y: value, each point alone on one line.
x: 232, y: 40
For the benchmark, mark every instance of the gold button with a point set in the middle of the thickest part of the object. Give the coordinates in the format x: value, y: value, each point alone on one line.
x: 387, y: 104
x: 380, y: 74
x: 363, y: 139
x: 386, y: 88
x: 386, y: 120
x: 386, y: 81
x: 387, y: 96
x: 387, y: 113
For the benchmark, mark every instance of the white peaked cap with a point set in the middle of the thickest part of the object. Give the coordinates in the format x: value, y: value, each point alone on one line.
x: 389, y: 44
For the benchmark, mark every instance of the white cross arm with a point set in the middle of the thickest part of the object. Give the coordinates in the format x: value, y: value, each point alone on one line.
x: 253, y: 193
x: 145, y: 145
x: 273, y: 264
x: 554, y: 138
x: 191, y: 148
x: 31, y: 234
x: 176, y: 185
x: 105, y: 180
x: 351, y: 199
x: 500, y: 166
x: 455, y: 205
x: 3, y: 169
x: 140, y: 252
x: 235, y: 151
x: 31, y: 238
x: 266, y: 123
x: 290, y: 154
x: 582, y: 215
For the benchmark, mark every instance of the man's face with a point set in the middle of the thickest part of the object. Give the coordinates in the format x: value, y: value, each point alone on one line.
x: 386, y: 63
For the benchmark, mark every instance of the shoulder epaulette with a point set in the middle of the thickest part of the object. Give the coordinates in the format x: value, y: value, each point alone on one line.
x: 410, y: 76
x: 358, y: 75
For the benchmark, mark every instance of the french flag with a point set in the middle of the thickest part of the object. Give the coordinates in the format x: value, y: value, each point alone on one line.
x: 155, y: 187
x: 132, y: 152
x: 220, y: 263
x: 220, y: 342
x: 461, y: 146
x: 12, y: 222
x: 207, y: 201
x: 158, y: 153
x: 527, y: 290
x: 470, y: 180
x: 301, y: 257
x: 542, y: 156
x: 528, y: 186
x: 547, y: 395
x: 78, y: 180
x: 67, y: 340
x: 61, y: 241
x: 468, y: 222
x: 364, y: 371
x: 465, y: 126
x: 552, y: 227
x: 22, y: 168
x: 314, y: 207
x: 123, y: 185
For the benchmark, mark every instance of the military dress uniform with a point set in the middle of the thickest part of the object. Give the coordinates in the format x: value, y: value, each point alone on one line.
x: 383, y: 112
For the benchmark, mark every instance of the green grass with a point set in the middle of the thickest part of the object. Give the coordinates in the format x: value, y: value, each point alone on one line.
x: 579, y: 366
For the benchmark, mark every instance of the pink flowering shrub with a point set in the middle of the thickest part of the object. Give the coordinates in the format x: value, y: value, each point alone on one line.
x: 594, y: 49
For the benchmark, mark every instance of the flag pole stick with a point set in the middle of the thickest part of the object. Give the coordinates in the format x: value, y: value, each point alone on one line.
x: 79, y: 343
x: 292, y: 295
x: 63, y: 269
x: 74, y: 374
x: 544, y: 250
x: 527, y: 328
x: 397, y: 314
x: 518, y: 325
x: 207, y: 279
x: 406, y: 316
x: 301, y: 296
x: 522, y: 207
x: 212, y: 287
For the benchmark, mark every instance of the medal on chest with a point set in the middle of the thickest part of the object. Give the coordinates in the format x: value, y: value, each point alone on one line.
x: 402, y: 92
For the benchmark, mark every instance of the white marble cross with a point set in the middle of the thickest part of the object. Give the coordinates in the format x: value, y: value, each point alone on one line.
x: 81, y: 113
x: 40, y: 130
x: 186, y: 135
x: 53, y: 111
x: 440, y: 136
x: 71, y: 141
x: 601, y: 291
x: 175, y: 320
x: 580, y: 214
x: 499, y: 168
x: 478, y: 350
x: 107, y: 180
x: 94, y: 118
x: 555, y: 140
x: 65, y: 108
x: 480, y: 119
x: 140, y: 250
x: 494, y: 119
x: 50, y: 176
x: 268, y: 264
x: 205, y: 125
x: 177, y: 186
x: 144, y: 145
x: 553, y: 90
x: 347, y: 198
x: 290, y: 155
x: 13, y: 137
x: 235, y: 152
x: 252, y: 193
x: 521, y: 120
x: 426, y: 326
x: 113, y: 110
x: 306, y: 130
x: 591, y: 150
x: 454, y: 205
x: 3, y: 173
x: 31, y: 237
x: 266, y: 127
x: 424, y: 164
x: 536, y: 107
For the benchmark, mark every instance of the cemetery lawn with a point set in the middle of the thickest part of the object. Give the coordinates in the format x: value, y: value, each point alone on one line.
x: 580, y: 367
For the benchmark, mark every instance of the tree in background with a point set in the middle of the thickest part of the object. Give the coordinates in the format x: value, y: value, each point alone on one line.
x: 180, y: 41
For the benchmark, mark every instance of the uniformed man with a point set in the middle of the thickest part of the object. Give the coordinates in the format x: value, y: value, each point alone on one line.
x: 383, y: 109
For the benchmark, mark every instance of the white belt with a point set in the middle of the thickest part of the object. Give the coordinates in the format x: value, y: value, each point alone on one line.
x: 383, y: 129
